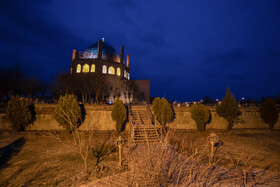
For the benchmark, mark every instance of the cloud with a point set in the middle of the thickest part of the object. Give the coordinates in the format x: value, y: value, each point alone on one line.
x: 154, y: 38
x: 226, y: 58
x: 35, y: 37
x: 123, y: 7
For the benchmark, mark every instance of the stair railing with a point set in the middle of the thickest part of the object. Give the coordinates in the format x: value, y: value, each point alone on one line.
x: 131, y: 122
x: 150, y: 115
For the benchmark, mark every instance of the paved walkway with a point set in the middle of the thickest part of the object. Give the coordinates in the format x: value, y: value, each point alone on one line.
x: 118, y: 180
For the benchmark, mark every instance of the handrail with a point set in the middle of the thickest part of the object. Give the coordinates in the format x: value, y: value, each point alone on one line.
x: 150, y: 114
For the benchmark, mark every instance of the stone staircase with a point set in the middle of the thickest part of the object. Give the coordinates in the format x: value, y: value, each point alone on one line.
x: 143, y: 129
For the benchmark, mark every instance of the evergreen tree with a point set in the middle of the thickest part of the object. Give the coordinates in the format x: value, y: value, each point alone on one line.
x: 119, y: 115
x: 269, y: 112
x: 201, y: 115
x: 228, y: 109
x: 68, y: 112
x: 163, y: 112
x: 18, y: 113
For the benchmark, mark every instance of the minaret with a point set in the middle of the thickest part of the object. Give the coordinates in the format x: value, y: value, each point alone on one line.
x: 99, y: 49
x: 122, y: 54
x: 74, y: 55
x: 127, y: 60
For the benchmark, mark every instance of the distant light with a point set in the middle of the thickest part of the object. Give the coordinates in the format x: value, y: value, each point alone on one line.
x: 200, y: 100
x: 110, y: 102
x: 217, y: 100
x: 102, y: 39
x: 243, y: 98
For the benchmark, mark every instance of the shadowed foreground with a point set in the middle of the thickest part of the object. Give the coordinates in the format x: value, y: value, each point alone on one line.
x: 34, y: 159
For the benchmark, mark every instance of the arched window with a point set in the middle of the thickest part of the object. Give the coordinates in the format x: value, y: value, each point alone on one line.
x: 85, y: 68
x: 118, y: 71
x: 92, y: 68
x: 79, y: 68
x: 104, y: 69
x: 128, y: 76
x: 124, y: 73
x: 111, y: 70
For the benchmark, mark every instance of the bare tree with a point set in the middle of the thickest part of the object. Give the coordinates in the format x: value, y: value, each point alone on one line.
x: 129, y: 89
x: 99, y: 86
x: 81, y: 140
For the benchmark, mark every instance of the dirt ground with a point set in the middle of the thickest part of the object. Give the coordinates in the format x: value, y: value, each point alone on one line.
x: 35, y: 159
x: 250, y: 148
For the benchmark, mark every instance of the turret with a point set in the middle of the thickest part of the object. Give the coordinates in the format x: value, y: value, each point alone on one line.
x: 127, y: 60
x: 99, y: 49
x: 122, y: 55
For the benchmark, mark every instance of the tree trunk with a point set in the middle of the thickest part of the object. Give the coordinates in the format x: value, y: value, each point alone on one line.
x: 230, y: 124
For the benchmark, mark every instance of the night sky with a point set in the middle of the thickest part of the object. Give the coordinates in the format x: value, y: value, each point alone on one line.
x: 188, y: 49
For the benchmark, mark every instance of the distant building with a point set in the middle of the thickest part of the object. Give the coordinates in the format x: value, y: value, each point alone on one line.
x: 102, y: 59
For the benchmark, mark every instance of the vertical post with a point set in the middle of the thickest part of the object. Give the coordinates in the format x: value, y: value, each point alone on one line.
x: 244, y: 177
x: 212, y: 153
x: 120, y: 154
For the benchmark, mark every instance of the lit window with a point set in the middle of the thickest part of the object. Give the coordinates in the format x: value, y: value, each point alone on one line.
x: 86, y: 68
x: 111, y: 70
x: 78, y: 68
x: 118, y: 71
x: 128, y: 76
x: 124, y: 73
x: 104, y: 69
x: 92, y: 69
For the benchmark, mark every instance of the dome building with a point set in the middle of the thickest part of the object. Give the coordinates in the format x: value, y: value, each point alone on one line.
x: 102, y: 59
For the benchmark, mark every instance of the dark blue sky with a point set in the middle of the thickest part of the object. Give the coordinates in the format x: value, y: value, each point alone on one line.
x: 189, y: 49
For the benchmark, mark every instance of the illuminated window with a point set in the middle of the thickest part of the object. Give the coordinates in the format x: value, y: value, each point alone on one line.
x: 92, y: 69
x: 78, y: 68
x: 128, y: 76
x: 104, y: 69
x: 118, y: 71
x: 85, y: 68
x: 124, y: 73
x: 111, y: 70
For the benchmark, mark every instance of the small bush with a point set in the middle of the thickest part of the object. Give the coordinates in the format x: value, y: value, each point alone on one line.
x: 201, y: 115
x: 269, y: 112
x: 18, y: 113
x: 68, y: 112
x: 119, y: 115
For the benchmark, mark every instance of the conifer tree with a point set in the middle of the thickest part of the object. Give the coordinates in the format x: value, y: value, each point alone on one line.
x: 119, y: 115
x: 269, y: 112
x: 68, y: 112
x: 18, y: 113
x: 163, y: 112
x: 228, y: 109
x: 201, y: 115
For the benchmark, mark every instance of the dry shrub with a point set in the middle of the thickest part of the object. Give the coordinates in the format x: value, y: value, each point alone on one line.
x: 159, y: 164
x: 185, y: 163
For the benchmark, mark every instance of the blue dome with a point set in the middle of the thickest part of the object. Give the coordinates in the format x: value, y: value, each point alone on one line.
x: 108, y: 52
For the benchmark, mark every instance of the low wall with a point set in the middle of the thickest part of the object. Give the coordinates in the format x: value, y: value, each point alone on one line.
x: 250, y: 118
x: 99, y: 118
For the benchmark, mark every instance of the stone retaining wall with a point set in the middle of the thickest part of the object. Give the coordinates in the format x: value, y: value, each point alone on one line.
x: 99, y: 118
